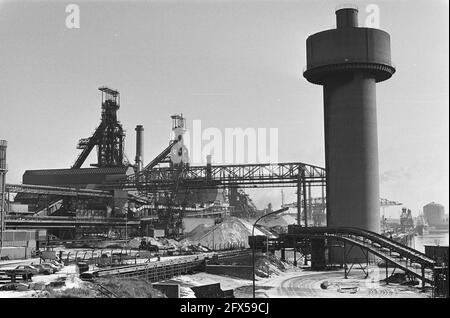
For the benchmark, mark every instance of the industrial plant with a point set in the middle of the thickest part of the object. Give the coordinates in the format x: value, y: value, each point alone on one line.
x: 163, y: 220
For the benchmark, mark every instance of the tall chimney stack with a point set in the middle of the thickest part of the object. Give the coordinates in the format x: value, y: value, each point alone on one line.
x: 208, y: 167
x: 139, y: 160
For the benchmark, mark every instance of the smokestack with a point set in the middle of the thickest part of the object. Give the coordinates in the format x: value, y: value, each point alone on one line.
x: 3, y: 146
x: 347, y: 17
x: 208, y: 167
x: 139, y: 160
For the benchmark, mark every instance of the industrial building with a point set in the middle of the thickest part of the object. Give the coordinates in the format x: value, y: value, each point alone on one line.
x: 434, y: 214
x: 110, y: 188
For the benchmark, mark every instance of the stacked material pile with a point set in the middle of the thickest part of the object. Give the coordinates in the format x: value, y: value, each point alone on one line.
x: 136, y: 242
x: 167, y: 244
x: 269, y: 266
x: 231, y: 232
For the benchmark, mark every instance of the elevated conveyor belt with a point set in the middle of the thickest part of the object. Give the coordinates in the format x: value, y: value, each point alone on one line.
x: 51, y: 208
x: 411, y: 261
x: 88, y: 146
x: 58, y: 191
x: 15, y: 222
x: 158, y: 159
x: 393, y: 259
x: 68, y: 192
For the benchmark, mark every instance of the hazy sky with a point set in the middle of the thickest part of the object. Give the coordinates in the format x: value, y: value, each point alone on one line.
x: 228, y: 63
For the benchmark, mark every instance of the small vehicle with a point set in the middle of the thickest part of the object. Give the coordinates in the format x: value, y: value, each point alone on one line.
x: 55, y: 268
x: 29, y: 268
x: 56, y: 263
x: 87, y: 276
x: 25, y: 273
x: 44, y: 269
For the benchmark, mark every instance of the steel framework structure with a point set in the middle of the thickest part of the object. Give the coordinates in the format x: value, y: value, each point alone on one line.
x: 224, y: 176
x: 108, y: 137
x: 321, y: 202
x: 411, y: 261
x: 184, y: 177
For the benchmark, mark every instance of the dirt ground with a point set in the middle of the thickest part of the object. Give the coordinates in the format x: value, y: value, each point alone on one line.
x: 299, y: 283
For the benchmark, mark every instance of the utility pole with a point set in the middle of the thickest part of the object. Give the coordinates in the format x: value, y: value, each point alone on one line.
x: 305, y: 208
x: 299, y: 199
x: 126, y: 227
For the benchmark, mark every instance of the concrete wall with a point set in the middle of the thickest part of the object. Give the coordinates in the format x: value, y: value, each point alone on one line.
x: 13, y: 252
x: 20, y: 244
x: 30, y: 243
x: 241, y: 271
x: 18, y: 208
x: 237, y: 260
x: 20, y: 235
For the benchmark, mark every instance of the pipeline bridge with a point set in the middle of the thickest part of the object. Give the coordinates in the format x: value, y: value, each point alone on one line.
x: 223, y: 176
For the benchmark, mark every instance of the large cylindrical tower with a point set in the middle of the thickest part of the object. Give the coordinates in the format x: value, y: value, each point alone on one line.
x: 348, y: 62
